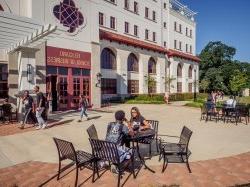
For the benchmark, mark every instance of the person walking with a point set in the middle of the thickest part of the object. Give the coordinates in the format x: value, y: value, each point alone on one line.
x: 27, y: 101
x: 40, y: 99
x: 166, y: 97
x: 83, y: 104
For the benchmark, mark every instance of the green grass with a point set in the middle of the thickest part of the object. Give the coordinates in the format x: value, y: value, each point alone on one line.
x: 194, y: 104
x: 245, y: 100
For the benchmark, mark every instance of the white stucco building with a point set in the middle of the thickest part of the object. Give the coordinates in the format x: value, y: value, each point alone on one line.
x: 99, y: 48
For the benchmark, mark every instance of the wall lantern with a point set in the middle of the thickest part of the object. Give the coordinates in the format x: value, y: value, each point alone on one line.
x: 98, y: 77
x: 29, y: 73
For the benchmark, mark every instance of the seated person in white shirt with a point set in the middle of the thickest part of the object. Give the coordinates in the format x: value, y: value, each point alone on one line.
x: 230, y: 102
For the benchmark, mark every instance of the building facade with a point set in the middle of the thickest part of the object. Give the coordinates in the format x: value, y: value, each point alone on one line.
x: 102, y: 49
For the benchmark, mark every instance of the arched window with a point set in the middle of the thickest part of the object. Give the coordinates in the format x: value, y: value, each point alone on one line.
x: 151, y: 66
x: 179, y: 70
x: 190, y: 72
x: 108, y: 59
x: 133, y: 64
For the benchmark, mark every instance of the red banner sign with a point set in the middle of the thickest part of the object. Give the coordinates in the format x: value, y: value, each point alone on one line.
x: 68, y: 58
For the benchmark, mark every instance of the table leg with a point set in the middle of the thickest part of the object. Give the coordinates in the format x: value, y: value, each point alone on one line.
x: 141, y: 158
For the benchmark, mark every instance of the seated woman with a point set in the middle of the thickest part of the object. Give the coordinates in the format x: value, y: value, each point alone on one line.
x: 210, y: 106
x: 137, y: 121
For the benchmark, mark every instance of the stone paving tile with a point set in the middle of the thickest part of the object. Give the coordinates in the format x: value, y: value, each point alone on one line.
x: 13, y: 128
x: 210, y: 173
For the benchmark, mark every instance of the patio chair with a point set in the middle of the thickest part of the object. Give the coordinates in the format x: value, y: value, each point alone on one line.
x: 7, y: 112
x: 154, y: 125
x: 92, y: 132
x: 243, y: 111
x: 66, y: 151
x: 176, y: 152
x: 108, y: 151
x: 203, y: 112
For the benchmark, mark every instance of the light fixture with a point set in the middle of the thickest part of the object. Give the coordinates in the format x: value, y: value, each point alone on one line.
x: 98, y: 77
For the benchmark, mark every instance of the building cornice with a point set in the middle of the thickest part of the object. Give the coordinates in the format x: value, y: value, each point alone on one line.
x: 145, y: 45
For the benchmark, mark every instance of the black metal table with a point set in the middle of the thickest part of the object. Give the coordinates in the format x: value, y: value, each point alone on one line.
x: 149, y: 133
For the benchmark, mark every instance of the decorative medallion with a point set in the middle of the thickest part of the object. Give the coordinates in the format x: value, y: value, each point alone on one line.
x: 69, y: 16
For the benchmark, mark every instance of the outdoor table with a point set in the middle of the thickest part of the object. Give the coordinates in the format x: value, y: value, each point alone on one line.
x: 149, y: 133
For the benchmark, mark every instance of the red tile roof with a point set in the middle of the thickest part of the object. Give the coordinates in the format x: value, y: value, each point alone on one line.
x: 174, y: 53
x: 130, y: 41
x: 138, y: 43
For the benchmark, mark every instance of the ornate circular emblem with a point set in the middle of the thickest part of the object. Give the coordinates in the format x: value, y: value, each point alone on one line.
x: 69, y: 15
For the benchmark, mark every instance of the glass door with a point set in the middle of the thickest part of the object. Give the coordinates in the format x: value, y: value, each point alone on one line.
x: 63, y: 92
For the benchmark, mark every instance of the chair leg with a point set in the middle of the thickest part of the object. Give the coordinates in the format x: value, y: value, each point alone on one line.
x: 165, y: 164
x: 119, y: 177
x: 59, y: 170
x: 76, y: 176
x: 157, y: 148
x: 94, y: 170
x: 150, y: 151
x: 187, y: 163
x: 133, y: 166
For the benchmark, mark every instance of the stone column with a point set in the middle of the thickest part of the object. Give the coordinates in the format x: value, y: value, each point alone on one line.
x: 143, y: 73
x: 95, y: 69
x: 40, y: 57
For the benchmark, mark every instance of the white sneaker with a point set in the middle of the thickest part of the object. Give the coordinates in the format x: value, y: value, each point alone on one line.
x: 39, y: 127
x: 44, y: 126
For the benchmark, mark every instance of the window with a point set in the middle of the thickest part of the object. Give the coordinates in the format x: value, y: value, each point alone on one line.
x: 175, y: 26
x: 191, y: 50
x: 136, y: 7
x: 101, y: 18
x: 133, y: 86
x: 76, y: 72
x: 152, y: 88
x: 187, y: 48
x: 112, y: 22
x: 3, y: 80
x: 165, y: 25
x: 132, y: 63
x: 152, y: 66
x: 180, y: 28
x: 180, y: 45
x: 165, y: 44
x: 186, y: 31
x: 175, y: 44
x: 135, y: 30
x: 126, y: 4
x: 62, y: 71
x: 190, y: 72
x: 154, y: 36
x: 85, y: 72
x: 146, y: 34
x: 179, y: 70
x: 126, y: 27
x: 191, y: 33
x: 76, y: 86
x: 179, y: 87
x: 165, y: 5
x: 51, y: 70
x: 190, y: 85
x: 154, y: 15
x: 146, y: 12
x: 108, y: 86
x: 108, y: 59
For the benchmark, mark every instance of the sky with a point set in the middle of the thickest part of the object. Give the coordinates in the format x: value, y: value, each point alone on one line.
x: 223, y: 20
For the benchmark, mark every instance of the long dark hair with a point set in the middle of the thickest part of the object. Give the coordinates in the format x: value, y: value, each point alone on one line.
x: 138, y: 113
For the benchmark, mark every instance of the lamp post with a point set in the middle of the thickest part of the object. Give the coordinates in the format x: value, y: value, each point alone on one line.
x: 195, y: 81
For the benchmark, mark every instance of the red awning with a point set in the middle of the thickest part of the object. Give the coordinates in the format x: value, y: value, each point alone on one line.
x: 174, y: 53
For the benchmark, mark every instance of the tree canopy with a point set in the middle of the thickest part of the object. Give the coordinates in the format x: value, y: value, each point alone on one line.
x: 218, y: 70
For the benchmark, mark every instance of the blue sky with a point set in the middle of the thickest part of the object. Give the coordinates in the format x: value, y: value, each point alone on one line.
x: 224, y: 20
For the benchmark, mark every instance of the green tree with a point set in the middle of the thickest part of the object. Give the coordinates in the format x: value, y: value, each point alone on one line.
x: 237, y: 82
x: 168, y: 81
x: 151, y: 83
x: 204, y: 84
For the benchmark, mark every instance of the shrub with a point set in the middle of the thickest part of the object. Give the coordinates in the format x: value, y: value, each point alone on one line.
x: 186, y: 96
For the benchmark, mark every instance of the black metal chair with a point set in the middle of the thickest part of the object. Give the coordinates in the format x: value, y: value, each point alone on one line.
x: 7, y: 112
x: 176, y: 152
x: 66, y: 151
x: 108, y: 151
x: 92, y: 132
x: 203, y: 112
x: 154, y: 125
x: 242, y: 112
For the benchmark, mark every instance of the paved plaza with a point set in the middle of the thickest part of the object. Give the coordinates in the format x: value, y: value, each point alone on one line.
x: 220, y: 152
